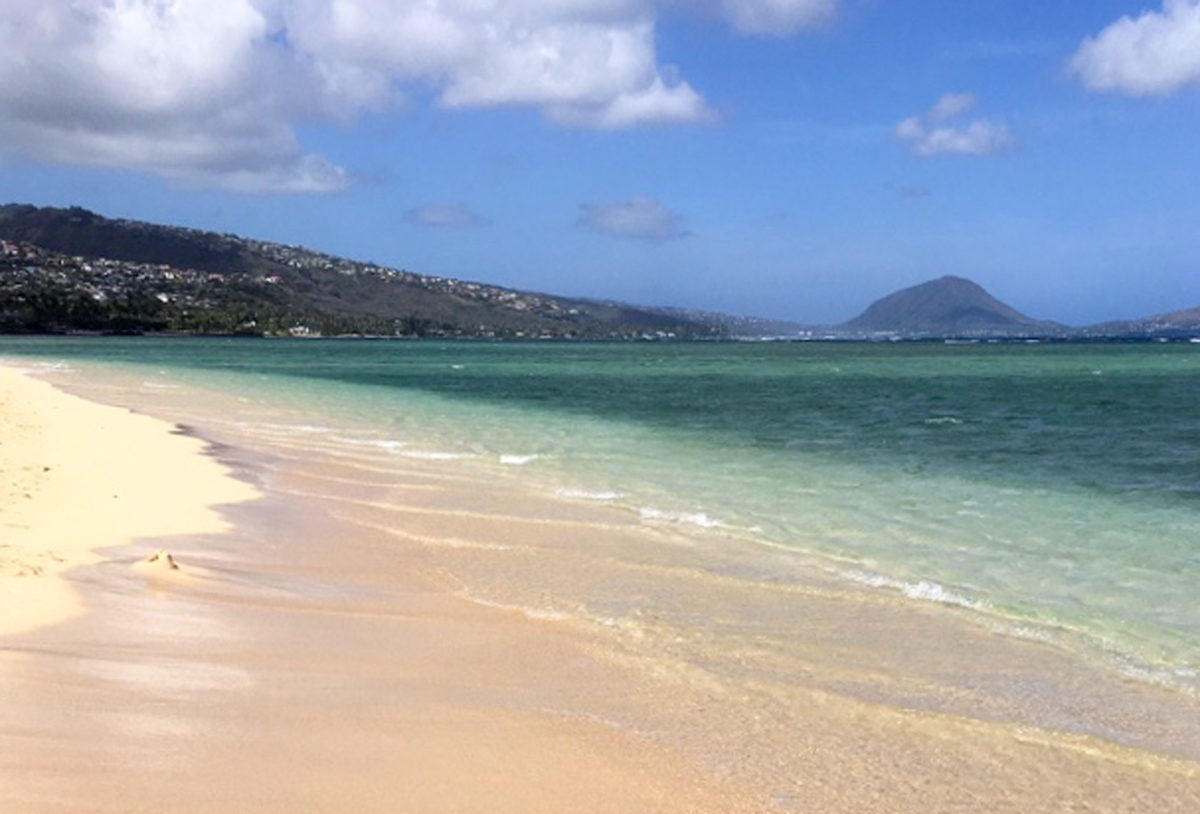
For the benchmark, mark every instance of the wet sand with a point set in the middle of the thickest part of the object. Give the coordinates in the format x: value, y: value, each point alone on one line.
x: 76, y: 476
x: 267, y: 672
x: 375, y: 635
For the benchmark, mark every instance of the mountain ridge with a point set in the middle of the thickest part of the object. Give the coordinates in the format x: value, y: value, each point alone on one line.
x: 101, y: 273
x: 71, y: 269
x: 1184, y: 323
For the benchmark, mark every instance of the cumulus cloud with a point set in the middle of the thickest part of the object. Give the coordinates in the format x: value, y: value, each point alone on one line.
x: 589, y: 63
x: 212, y: 92
x: 194, y: 92
x: 638, y: 218
x: 659, y: 104
x: 1156, y: 53
x: 940, y: 130
x: 444, y: 216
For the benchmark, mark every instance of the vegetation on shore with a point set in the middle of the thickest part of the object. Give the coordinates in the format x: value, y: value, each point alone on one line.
x: 73, y: 270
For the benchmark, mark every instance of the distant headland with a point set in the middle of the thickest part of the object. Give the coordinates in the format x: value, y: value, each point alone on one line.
x: 72, y: 270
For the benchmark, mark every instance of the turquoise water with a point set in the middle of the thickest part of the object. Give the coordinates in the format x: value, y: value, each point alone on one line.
x: 1054, y: 489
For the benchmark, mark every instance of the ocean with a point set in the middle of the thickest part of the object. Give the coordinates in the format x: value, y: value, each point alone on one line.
x: 1044, y: 492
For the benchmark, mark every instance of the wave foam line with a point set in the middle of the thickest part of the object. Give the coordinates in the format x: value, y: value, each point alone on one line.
x: 585, y: 494
x: 924, y: 590
x: 434, y: 455
x: 686, y: 518
x: 518, y: 460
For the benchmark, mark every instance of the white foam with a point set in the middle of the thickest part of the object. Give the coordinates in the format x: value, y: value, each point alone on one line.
x: 934, y: 592
x: 924, y: 590
x: 434, y: 455
x: 689, y: 518
x: 517, y: 460
x: 1029, y: 633
x: 1175, y: 679
x: 454, y: 542
x: 870, y: 580
x: 584, y: 494
x: 944, y: 419
x: 60, y: 367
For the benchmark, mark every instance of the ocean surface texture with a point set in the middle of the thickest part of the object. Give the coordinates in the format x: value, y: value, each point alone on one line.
x: 1050, y: 492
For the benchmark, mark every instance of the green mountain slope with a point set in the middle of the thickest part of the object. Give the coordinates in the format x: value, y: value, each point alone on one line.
x: 71, y: 269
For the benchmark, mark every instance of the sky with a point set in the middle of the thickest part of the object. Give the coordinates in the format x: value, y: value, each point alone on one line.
x: 794, y: 159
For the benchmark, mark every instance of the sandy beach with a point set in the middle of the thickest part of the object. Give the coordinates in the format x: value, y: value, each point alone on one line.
x: 175, y: 692
x: 323, y: 646
x: 77, y: 477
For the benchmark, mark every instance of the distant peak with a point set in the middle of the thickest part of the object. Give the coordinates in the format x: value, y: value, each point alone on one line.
x: 946, y: 306
x: 951, y: 279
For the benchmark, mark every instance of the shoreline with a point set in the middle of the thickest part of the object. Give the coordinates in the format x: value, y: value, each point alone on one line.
x: 79, y: 476
x: 349, y: 572
x: 253, y: 678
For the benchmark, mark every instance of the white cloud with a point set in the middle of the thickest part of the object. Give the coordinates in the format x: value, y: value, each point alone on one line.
x: 211, y: 93
x: 936, y: 132
x: 776, y: 17
x: 1156, y: 53
x: 444, y: 216
x: 951, y: 105
x: 659, y: 104
x: 639, y: 218
x: 193, y: 92
x: 586, y: 63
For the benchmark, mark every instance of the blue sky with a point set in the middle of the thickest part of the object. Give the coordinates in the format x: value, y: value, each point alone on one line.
x: 785, y: 158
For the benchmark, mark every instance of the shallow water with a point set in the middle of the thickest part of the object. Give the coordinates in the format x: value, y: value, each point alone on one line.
x: 1051, y: 492
x: 430, y: 576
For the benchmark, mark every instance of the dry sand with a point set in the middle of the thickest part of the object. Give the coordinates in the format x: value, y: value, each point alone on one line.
x: 76, y: 476
x: 316, y: 650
